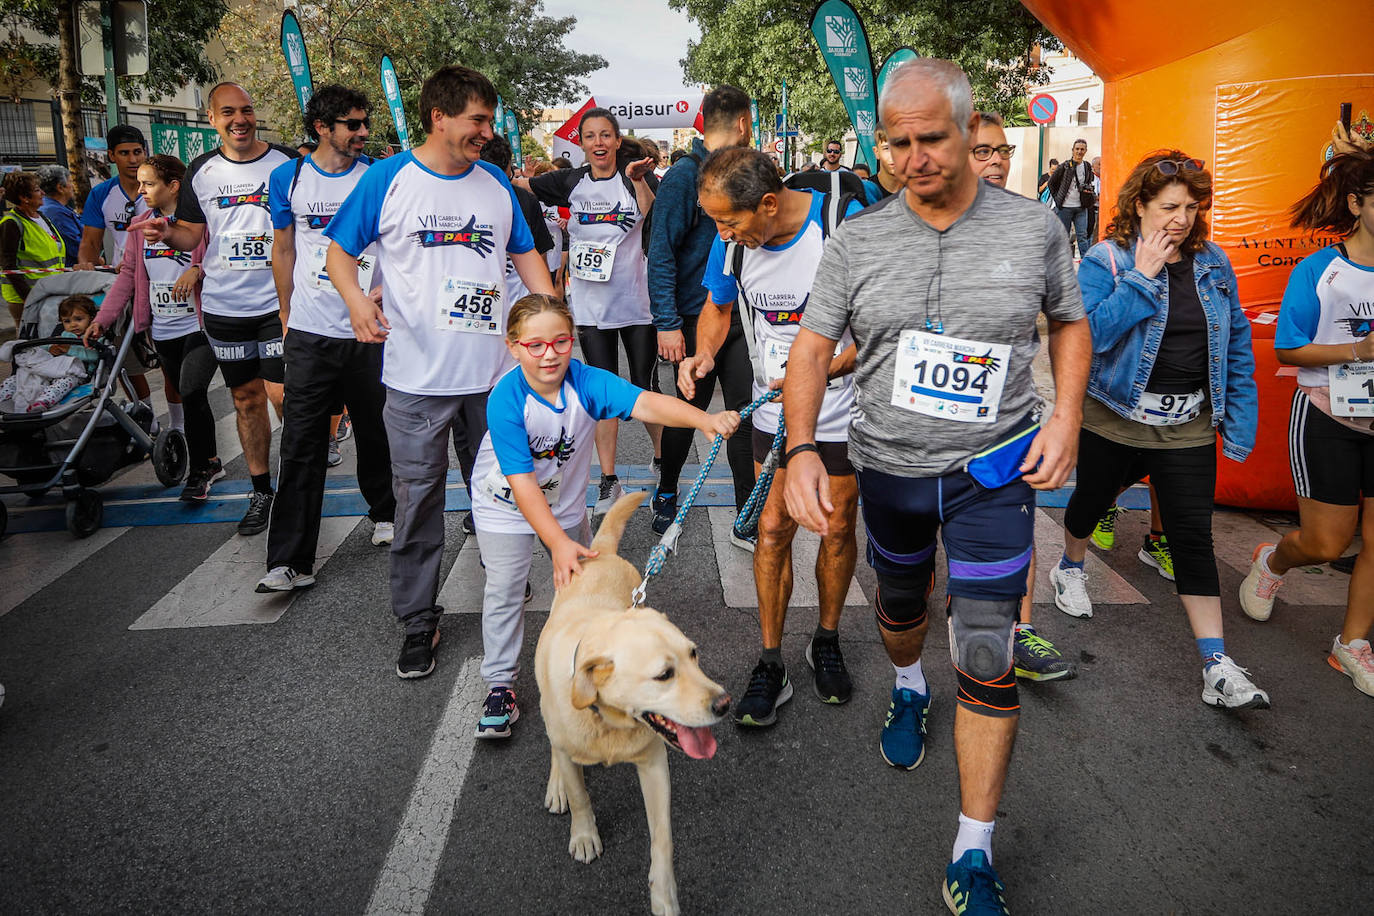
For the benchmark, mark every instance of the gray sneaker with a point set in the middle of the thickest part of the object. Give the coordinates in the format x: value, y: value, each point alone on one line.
x: 335, y: 457
x: 607, y: 493
x: 283, y: 579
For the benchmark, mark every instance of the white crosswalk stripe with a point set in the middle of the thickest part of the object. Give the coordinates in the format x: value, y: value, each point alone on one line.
x: 220, y: 591
x: 32, y: 562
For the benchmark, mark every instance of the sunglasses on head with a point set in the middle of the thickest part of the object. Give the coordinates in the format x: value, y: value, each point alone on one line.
x: 1174, y: 166
x: 537, y: 348
x: 354, y: 123
x: 983, y: 152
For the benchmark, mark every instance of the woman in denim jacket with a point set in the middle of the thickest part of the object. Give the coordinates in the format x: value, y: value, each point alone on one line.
x: 1172, y: 367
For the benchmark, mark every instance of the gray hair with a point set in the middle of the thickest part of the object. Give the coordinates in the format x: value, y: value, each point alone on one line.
x: 52, y: 176
x: 945, y: 76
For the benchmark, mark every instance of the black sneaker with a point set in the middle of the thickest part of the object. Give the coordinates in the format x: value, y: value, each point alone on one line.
x: 499, y: 712
x: 768, y: 689
x: 259, y: 512
x: 417, y: 654
x: 468, y: 526
x: 665, y: 510
x: 832, y: 677
x: 199, y: 481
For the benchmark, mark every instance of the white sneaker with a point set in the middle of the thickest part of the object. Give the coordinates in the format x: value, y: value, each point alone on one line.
x: 284, y: 579
x: 743, y: 541
x: 1227, y: 685
x: 383, y: 533
x: 607, y: 493
x: 1260, y: 585
x: 1356, y: 662
x: 1071, y: 591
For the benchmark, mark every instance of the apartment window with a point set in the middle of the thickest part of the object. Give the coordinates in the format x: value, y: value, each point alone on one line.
x: 18, y: 133
x: 1080, y: 117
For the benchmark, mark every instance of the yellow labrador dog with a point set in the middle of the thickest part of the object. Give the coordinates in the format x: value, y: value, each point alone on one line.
x: 619, y: 684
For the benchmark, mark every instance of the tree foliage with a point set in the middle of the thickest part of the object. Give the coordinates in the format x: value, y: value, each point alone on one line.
x: 178, y: 31
x: 521, y: 50
x: 756, y: 44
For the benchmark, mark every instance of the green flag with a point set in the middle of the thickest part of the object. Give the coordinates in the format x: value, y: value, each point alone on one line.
x: 840, y: 35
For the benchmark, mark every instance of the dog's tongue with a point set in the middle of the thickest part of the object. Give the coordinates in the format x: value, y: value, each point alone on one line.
x: 697, y: 743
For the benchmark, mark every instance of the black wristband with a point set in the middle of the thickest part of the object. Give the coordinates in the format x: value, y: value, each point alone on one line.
x: 804, y: 447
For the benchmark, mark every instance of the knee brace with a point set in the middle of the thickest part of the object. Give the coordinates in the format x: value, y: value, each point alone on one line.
x: 980, y: 637
x: 900, y: 604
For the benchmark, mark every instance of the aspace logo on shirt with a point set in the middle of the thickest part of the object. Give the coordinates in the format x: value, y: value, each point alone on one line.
x: 624, y: 220
x: 181, y: 257
x: 230, y: 196
x: 317, y: 220
x: 543, y: 448
x: 440, y: 230
x: 780, y: 308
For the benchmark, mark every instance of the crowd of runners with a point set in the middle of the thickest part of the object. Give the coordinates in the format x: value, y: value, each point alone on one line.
x: 435, y: 296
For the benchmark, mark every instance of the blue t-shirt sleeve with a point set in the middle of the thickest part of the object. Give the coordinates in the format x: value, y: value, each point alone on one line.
x: 93, y: 214
x: 279, y: 193
x: 723, y: 289
x: 856, y: 205
x: 506, y: 425
x: 603, y: 394
x: 357, y: 223
x: 1301, y: 310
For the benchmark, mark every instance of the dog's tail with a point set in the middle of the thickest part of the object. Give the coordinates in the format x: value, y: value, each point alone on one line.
x: 607, y: 539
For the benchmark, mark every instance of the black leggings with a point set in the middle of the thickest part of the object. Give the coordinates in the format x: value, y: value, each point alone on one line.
x: 736, y: 376
x: 190, y: 364
x: 641, y: 348
x: 1185, y: 481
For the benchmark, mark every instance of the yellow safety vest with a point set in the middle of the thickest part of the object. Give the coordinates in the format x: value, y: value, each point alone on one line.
x: 40, y: 249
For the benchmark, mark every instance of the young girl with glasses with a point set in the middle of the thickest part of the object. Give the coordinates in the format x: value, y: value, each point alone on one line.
x: 532, y: 474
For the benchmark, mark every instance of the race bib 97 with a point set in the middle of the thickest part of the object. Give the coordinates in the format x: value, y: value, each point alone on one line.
x: 1168, y: 409
x: 245, y: 250
x: 949, y: 378
x: 1352, y: 389
x: 469, y: 307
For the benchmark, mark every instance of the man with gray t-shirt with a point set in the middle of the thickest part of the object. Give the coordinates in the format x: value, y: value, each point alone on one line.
x: 940, y: 286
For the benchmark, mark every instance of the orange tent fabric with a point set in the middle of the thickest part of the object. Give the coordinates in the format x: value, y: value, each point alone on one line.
x: 1253, y: 87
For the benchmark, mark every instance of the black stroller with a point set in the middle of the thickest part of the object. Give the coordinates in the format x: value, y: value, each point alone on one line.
x: 81, y: 442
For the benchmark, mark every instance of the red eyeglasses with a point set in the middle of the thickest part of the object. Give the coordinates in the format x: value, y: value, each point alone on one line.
x: 538, y: 348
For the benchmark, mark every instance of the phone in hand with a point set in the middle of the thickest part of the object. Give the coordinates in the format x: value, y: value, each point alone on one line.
x: 1345, y: 116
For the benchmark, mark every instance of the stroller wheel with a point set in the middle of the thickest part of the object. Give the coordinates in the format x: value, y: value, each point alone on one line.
x: 85, y: 512
x: 170, y: 457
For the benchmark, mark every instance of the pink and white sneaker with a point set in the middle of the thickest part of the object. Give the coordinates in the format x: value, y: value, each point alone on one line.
x: 1260, y: 585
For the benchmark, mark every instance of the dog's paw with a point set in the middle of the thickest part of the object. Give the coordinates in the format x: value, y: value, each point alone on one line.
x: 586, y: 846
x: 663, y: 900
x: 555, y: 799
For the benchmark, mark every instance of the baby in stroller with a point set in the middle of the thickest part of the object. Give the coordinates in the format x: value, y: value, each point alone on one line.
x: 41, y: 380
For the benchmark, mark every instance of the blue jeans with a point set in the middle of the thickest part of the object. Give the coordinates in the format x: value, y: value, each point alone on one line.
x: 1075, y: 220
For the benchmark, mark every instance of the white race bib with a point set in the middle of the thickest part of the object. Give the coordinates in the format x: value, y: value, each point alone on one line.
x: 1168, y: 409
x: 245, y: 250
x: 497, y: 487
x: 1352, y: 389
x: 592, y: 260
x: 949, y: 378
x: 474, y: 308
x: 319, y: 276
x: 165, y: 305
x: 775, y: 363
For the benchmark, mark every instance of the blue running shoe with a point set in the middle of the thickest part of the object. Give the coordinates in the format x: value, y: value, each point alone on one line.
x: 972, y: 888
x: 498, y: 712
x: 904, y: 733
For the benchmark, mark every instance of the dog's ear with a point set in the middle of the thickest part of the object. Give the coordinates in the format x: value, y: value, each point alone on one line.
x: 588, y: 679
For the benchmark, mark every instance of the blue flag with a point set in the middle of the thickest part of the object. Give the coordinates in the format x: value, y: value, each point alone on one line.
x: 293, y: 48
x: 391, y: 88
x: 844, y: 45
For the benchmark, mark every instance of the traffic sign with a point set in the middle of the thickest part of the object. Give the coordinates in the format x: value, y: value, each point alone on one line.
x: 778, y: 146
x: 1043, y: 108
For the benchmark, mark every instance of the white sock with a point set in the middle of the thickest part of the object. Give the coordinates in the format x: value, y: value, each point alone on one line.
x: 973, y: 835
x: 1264, y: 559
x: 176, y: 416
x: 911, y: 677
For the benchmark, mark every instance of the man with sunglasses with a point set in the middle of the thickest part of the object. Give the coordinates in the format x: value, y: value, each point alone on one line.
x: 224, y: 203
x: 941, y: 287
x: 831, y: 161
x: 325, y: 365
x: 443, y: 222
x: 1071, y: 188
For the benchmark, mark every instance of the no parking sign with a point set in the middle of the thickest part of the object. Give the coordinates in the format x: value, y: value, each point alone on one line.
x: 1043, y: 108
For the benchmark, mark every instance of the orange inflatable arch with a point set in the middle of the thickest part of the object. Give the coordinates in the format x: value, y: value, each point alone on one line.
x: 1254, y: 88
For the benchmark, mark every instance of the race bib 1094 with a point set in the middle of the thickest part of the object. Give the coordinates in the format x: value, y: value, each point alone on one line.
x: 949, y: 378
